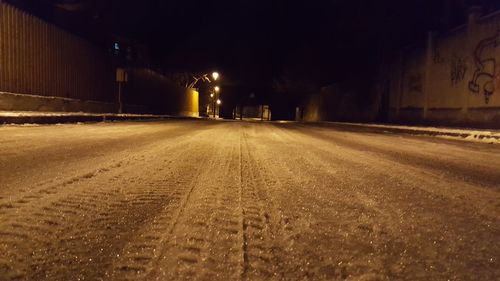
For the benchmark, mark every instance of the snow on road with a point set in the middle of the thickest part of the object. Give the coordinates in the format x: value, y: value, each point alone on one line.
x: 201, y: 200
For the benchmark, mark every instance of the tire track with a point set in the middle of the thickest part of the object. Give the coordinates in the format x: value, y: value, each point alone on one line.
x: 140, y: 256
x: 380, y: 213
x: 134, y: 138
x: 77, y: 231
x: 206, y: 243
x: 327, y: 197
x: 52, y: 186
x: 261, y: 227
x: 245, y: 201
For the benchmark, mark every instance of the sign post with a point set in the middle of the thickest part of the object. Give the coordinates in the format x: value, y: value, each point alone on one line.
x: 121, y: 77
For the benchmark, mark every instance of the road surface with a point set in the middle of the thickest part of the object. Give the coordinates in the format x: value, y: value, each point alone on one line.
x: 202, y: 200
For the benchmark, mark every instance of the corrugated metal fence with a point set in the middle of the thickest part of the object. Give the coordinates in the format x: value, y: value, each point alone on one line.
x: 38, y: 58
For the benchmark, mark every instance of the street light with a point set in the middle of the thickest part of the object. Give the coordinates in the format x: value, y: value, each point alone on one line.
x: 202, y: 77
x: 205, y: 78
x: 214, y: 95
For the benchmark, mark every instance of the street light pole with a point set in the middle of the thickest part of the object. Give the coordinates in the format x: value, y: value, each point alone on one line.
x: 205, y: 78
x: 218, y: 106
x: 216, y: 100
x: 215, y: 76
x: 213, y: 108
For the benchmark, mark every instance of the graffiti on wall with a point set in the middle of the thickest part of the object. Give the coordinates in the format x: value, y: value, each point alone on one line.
x: 415, y: 82
x: 458, y: 68
x: 483, y: 79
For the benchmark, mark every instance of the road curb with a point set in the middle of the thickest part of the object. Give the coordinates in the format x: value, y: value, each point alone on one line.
x: 464, y: 134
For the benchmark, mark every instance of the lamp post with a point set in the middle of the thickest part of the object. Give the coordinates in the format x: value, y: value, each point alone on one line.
x: 216, y: 99
x: 205, y: 78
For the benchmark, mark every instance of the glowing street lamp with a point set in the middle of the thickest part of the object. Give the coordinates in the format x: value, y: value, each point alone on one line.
x: 204, y: 78
x: 216, y: 100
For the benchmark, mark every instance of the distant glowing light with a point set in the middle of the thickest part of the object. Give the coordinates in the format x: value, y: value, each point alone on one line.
x: 217, y: 89
x: 215, y: 75
x: 219, y: 102
x: 211, y: 95
x: 117, y: 46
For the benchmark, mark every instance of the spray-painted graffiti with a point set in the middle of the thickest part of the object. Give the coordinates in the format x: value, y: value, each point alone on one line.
x: 458, y: 68
x: 483, y: 80
x: 415, y: 83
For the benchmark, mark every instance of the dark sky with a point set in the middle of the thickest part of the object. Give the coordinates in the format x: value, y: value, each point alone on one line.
x: 257, y: 41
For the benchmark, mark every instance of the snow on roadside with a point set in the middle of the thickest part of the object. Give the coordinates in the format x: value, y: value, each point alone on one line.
x: 49, y: 113
x: 483, y: 136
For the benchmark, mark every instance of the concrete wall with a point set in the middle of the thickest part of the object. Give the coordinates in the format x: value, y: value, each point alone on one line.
x: 17, y: 102
x: 454, y: 79
x: 334, y: 103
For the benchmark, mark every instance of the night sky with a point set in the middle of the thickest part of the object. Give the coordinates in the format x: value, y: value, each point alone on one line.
x: 255, y: 44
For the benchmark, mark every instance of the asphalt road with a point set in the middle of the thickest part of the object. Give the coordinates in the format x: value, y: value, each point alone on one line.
x: 201, y: 200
